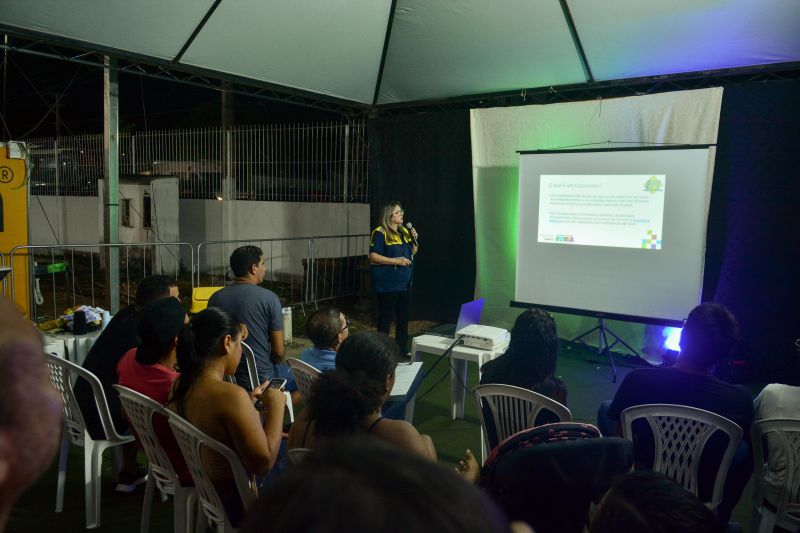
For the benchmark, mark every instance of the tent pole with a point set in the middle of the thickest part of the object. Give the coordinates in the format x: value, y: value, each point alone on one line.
x: 111, y: 190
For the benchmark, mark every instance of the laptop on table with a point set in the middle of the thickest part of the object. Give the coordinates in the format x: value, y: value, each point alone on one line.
x: 470, y: 314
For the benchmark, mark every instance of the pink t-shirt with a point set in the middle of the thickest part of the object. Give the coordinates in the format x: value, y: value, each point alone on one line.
x: 154, y: 381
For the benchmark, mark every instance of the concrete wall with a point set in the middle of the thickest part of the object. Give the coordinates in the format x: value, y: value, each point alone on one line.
x: 165, y: 224
x: 78, y: 220
x: 260, y: 221
x: 65, y: 219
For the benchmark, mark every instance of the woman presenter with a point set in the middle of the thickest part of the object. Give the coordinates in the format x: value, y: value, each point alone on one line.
x: 391, y: 252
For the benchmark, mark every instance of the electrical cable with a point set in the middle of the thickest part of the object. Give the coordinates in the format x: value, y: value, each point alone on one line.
x: 153, y: 226
x: 47, y: 219
x: 438, y: 381
x: 5, y: 126
x: 456, y: 373
x: 446, y: 354
x: 51, y: 106
x: 58, y: 242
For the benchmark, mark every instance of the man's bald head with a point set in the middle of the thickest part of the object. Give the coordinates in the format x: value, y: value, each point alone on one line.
x: 31, y: 409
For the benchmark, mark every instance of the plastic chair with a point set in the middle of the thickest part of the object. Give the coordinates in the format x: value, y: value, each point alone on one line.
x: 297, y: 455
x: 512, y: 410
x: 680, y: 434
x: 63, y: 374
x: 252, y: 369
x: 252, y: 375
x: 782, y: 435
x: 564, y: 466
x: 192, y: 442
x: 160, y: 473
x: 304, y: 375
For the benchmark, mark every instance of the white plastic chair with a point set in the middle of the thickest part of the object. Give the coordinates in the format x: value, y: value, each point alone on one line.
x: 297, y: 455
x: 680, y: 434
x: 63, y: 374
x: 304, y: 375
x: 192, y: 441
x: 252, y: 375
x: 782, y: 435
x: 513, y: 409
x: 160, y: 473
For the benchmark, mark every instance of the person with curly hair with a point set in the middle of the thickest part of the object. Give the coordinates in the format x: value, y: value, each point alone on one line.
x: 348, y: 399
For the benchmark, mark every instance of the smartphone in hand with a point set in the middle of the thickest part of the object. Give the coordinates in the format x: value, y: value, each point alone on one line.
x: 276, y: 383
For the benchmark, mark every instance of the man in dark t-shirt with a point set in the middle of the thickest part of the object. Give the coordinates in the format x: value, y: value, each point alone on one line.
x: 706, y: 340
x: 678, y: 386
x: 117, y: 338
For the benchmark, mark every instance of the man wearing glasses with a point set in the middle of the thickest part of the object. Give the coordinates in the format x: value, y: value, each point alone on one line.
x: 327, y: 328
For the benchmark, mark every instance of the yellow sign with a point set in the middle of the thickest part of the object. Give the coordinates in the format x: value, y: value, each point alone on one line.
x: 14, y: 219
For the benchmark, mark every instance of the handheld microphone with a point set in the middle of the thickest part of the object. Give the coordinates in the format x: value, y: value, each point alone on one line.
x: 410, y: 226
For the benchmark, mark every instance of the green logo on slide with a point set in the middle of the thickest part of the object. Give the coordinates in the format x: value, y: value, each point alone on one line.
x: 653, y: 184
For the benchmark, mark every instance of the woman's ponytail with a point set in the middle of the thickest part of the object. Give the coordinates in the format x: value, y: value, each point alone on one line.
x: 197, y: 343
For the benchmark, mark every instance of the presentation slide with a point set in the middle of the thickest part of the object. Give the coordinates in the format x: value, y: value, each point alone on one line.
x: 625, y: 211
x: 618, y: 232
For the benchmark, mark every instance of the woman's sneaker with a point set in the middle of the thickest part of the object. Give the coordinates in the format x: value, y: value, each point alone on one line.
x: 128, y: 481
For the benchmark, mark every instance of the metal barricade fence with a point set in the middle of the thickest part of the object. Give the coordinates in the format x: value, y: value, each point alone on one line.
x: 300, y: 270
x: 71, y: 268
x: 283, y: 259
x: 337, y: 266
x: 3, y: 263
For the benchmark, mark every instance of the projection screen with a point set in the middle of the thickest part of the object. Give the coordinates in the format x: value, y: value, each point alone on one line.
x: 618, y: 233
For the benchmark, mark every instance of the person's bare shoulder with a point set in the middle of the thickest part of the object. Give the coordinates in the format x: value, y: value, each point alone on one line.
x: 225, y: 398
x: 401, y: 434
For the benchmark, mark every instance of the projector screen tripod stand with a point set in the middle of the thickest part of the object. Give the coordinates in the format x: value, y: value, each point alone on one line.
x: 603, y: 347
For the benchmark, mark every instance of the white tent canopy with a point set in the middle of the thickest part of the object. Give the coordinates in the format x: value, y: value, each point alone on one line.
x: 373, y: 52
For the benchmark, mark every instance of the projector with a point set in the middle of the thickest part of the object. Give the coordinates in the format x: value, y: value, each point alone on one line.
x: 484, y: 337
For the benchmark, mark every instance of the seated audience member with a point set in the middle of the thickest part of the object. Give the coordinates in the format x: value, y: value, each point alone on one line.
x: 116, y: 339
x: 327, y: 328
x: 209, y: 348
x: 150, y: 369
x: 260, y: 310
x: 348, y: 400
x: 363, y: 485
x: 548, y: 476
x: 707, y: 338
x: 30, y: 412
x: 777, y: 401
x: 648, y: 502
x: 530, y: 363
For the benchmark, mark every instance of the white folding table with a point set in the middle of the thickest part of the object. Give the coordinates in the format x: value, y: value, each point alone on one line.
x: 437, y: 345
x: 74, y: 348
